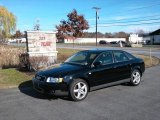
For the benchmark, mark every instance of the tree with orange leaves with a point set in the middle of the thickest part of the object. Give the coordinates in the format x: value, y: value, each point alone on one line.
x: 74, y: 26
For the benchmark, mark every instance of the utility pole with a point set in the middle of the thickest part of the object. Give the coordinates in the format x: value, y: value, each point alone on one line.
x: 96, y: 8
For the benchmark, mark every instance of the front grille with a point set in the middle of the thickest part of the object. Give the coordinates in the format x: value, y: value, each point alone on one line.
x: 40, y: 78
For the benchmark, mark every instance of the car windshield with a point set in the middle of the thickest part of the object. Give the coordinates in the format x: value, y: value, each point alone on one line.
x: 82, y: 58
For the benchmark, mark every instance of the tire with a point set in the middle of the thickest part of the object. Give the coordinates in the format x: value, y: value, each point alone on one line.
x: 135, y: 77
x: 78, y: 90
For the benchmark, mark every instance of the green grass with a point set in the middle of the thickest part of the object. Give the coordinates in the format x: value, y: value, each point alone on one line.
x: 149, y: 62
x: 12, y: 77
x: 64, y: 53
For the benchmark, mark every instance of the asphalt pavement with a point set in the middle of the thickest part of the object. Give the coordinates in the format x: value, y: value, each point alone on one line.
x: 120, y: 102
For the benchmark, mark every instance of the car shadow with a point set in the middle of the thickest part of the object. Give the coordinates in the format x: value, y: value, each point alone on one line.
x: 125, y: 84
x: 27, y: 89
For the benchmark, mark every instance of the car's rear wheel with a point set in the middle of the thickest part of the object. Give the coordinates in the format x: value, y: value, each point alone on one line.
x: 78, y: 90
x: 135, y: 78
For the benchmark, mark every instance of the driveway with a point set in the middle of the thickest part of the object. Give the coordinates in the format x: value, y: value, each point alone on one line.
x: 120, y: 102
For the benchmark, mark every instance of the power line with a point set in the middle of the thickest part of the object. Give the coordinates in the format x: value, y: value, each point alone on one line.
x: 131, y: 21
x: 115, y: 3
x: 144, y: 7
x: 124, y: 2
x: 138, y: 8
x: 130, y: 24
x: 135, y: 18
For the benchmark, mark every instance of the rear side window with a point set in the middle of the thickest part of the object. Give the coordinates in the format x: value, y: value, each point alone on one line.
x: 120, y: 56
x: 105, y: 58
x: 129, y: 56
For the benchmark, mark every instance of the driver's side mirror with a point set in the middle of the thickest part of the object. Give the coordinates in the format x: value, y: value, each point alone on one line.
x: 97, y: 64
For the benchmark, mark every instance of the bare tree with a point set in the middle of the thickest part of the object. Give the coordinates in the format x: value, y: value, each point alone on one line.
x: 37, y: 25
x: 121, y: 35
x: 140, y: 32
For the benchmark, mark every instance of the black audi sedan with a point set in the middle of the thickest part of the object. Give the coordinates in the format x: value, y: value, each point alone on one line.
x: 90, y: 70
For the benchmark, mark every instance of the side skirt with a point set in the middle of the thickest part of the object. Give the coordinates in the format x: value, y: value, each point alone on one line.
x: 109, y: 84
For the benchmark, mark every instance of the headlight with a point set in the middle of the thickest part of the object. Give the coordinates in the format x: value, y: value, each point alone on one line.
x: 54, y: 80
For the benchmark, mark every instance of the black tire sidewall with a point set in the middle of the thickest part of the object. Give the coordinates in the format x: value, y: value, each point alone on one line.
x: 71, y: 89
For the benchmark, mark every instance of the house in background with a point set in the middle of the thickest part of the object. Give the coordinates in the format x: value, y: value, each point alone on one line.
x: 18, y: 40
x: 155, y: 37
x: 146, y: 39
x: 152, y: 38
x: 135, y: 39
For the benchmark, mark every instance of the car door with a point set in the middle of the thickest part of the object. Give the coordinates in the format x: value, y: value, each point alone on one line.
x: 121, y: 67
x: 102, y: 73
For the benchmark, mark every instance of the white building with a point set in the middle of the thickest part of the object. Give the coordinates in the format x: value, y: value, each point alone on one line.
x: 92, y: 40
x: 18, y: 40
x: 134, y: 38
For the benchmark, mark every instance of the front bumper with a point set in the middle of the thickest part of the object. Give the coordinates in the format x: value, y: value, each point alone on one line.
x: 44, y: 87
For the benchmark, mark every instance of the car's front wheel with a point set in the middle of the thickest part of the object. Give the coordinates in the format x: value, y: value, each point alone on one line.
x: 135, y: 77
x: 78, y: 90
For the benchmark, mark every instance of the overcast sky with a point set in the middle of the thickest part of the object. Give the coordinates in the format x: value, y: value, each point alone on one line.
x: 114, y: 15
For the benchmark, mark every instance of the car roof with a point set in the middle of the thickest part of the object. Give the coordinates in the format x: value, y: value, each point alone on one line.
x: 102, y: 50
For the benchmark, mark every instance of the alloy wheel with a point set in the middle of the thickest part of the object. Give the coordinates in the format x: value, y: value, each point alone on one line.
x: 136, y: 77
x: 80, y: 90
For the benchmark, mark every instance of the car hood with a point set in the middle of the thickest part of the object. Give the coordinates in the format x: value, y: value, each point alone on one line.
x: 61, y: 70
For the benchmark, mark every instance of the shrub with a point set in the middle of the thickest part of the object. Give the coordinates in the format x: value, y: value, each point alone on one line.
x: 38, y: 62
x: 9, y: 56
x: 24, y: 61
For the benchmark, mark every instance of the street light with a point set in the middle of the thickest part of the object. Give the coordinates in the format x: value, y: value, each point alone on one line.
x: 96, y: 8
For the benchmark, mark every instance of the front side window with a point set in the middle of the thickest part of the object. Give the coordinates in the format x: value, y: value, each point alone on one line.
x: 120, y: 56
x: 105, y: 58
